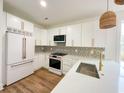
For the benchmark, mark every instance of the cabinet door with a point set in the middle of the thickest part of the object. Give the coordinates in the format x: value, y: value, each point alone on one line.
x: 46, y: 62
x: 74, y: 37
x: 100, y: 38
x: 39, y: 60
x: 44, y: 41
x: 28, y: 26
x: 111, y: 46
x: 62, y: 30
x: 13, y: 21
x: 29, y: 47
x: 52, y: 33
x: 17, y: 72
x: 37, y: 36
x: 89, y: 34
x: 14, y: 48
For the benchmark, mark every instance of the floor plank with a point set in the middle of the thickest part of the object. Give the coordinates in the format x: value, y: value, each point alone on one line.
x: 42, y: 81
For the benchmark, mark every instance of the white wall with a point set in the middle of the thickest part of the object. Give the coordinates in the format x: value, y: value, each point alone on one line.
x: 1, y: 29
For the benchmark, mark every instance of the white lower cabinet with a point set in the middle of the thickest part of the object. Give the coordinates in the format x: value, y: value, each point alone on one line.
x: 66, y: 68
x: 68, y: 64
x: 46, y: 63
x: 41, y: 60
x: 20, y: 70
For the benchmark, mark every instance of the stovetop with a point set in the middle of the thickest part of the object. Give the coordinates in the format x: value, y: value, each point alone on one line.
x: 59, y: 54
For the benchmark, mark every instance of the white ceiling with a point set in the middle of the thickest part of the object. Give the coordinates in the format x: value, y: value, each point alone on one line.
x: 58, y: 11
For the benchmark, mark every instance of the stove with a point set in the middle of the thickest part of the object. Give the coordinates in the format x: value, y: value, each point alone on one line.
x: 55, y: 63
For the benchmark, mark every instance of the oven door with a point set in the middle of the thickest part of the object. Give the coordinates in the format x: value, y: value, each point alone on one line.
x: 55, y: 63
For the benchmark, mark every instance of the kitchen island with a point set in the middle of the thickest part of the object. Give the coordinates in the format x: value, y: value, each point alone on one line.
x: 110, y: 81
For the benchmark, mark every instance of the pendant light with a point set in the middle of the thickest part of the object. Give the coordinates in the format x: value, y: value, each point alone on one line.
x: 108, y: 19
x: 119, y: 2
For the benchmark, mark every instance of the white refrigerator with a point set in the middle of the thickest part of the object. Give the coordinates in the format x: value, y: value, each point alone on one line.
x: 19, y: 56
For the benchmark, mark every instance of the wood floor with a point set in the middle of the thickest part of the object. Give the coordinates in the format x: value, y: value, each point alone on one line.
x: 42, y: 81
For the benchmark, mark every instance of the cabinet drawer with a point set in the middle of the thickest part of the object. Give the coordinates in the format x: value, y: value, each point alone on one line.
x: 66, y: 68
x: 17, y: 72
x: 68, y: 63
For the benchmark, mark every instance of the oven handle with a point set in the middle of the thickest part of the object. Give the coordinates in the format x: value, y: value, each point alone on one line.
x: 55, y: 58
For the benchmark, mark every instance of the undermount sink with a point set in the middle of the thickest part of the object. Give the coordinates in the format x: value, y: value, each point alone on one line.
x: 88, y: 69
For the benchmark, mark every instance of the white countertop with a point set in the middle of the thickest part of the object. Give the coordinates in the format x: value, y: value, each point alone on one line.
x: 111, y: 82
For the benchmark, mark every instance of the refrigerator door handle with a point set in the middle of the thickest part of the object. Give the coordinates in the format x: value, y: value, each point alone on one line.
x: 22, y: 48
x: 25, y: 48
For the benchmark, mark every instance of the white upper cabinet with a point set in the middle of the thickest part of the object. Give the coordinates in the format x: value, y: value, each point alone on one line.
x: 92, y: 36
x: 27, y: 26
x: 37, y: 35
x: 13, y: 21
x: 74, y: 35
x: 40, y: 37
x: 100, y: 36
x: 55, y: 31
x: 111, y: 44
x: 44, y: 39
x: 18, y: 23
x: 62, y: 30
x: 51, y: 34
x: 88, y: 34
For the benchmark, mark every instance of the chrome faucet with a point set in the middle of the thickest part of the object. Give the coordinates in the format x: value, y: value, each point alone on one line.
x: 100, y: 62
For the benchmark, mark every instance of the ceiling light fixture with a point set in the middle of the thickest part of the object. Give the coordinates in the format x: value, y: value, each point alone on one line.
x: 43, y: 3
x: 108, y: 19
x: 119, y: 2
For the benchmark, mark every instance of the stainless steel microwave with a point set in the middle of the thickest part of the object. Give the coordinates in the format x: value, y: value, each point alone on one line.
x: 60, y: 38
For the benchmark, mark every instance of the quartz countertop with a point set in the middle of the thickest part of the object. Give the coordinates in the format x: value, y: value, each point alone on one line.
x: 111, y: 80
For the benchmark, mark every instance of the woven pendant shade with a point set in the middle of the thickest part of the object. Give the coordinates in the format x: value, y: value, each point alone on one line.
x: 107, y: 20
x: 119, y: 2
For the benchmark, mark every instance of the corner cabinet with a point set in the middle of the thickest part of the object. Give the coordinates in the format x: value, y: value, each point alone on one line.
x: 41, y: 37
x: 28, y: 26
x: 74, y: 35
